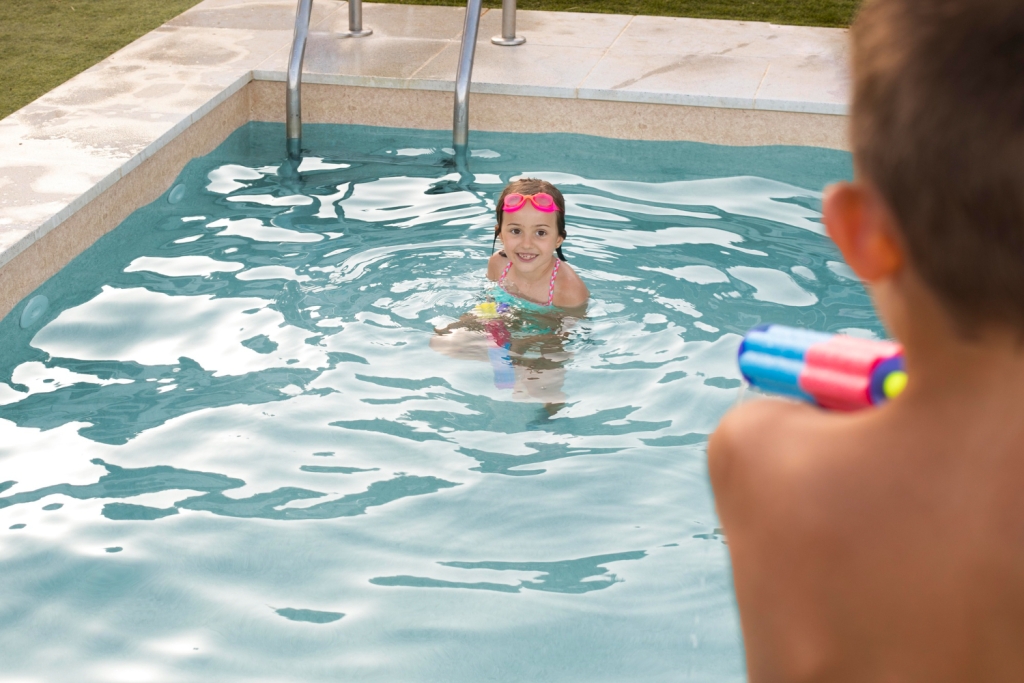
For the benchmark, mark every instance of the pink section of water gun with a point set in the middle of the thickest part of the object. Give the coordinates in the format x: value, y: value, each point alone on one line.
x: 838, y: 372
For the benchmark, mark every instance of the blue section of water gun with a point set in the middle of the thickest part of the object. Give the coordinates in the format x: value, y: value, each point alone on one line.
x: 782, y: 341
x: 501, y: 363
x: 772, y: 358
x: 773, y: 373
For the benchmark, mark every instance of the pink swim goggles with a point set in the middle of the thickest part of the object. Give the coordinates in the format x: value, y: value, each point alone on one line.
x: 541, y: 201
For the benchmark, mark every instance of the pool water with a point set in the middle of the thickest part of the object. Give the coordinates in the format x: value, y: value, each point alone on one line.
x: 230, y: 451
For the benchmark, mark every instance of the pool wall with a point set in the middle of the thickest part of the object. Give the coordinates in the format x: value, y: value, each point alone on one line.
x: 432, y: 110
x: 80, y: 159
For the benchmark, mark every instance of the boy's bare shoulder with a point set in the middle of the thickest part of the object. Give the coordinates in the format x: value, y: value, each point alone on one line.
x: 570, y: 290
x: 771, y: 461
x: 495, y: 265
x: 754, y: 436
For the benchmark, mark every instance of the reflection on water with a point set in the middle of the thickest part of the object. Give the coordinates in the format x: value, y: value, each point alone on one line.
x: 526, y: 350
x: 245, y: 425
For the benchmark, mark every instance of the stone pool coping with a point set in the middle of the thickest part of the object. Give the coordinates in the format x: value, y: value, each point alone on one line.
x: 77, y: 161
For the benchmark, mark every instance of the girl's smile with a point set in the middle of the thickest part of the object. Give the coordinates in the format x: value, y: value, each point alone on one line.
x: 530, y: 238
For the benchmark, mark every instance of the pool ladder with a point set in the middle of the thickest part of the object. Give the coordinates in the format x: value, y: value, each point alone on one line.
x: 460, y: 122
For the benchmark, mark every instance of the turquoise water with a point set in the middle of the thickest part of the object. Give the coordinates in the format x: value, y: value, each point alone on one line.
x: 228, y: 450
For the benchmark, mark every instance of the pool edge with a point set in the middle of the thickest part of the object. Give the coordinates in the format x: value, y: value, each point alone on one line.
x: 263, y: 100
x: 48, y: 253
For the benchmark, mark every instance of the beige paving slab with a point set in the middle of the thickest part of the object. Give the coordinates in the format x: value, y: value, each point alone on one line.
x: 257, y: 15
x: 380, y: 61
x: 705, y: 80
x: 42, y: 180
x: 404, y: 39
x: 716, y: 63
x: 401, y: 21
x: 559, y: 29
x: 805, y: 83
x: 723, y: 37
x: 808, y: 40
x: 219, y: 54
x: 122, y: 130
x: 133, y: 86
x: 554, y: 71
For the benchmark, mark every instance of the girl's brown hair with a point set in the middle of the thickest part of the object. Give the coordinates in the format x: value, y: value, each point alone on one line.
x: 532, y: 186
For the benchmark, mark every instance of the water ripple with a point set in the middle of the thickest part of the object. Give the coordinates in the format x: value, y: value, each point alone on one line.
x: 302, y: 412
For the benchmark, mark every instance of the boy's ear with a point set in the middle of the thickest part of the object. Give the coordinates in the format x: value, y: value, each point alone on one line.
x: 863, y: 228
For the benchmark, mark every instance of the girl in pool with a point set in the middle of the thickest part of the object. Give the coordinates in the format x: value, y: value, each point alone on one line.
x: 530, y: 269
x: 522, y: 328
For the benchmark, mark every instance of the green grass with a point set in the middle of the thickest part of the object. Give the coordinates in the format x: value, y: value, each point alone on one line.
x: 835, y: 13
x: 45, y: 42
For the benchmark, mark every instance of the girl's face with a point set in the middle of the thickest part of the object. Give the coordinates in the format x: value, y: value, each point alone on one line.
x: 530, y: 238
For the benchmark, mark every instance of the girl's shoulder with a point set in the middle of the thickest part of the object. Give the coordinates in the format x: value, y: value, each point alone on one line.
x: 570, y: 292
x: 495, y: 265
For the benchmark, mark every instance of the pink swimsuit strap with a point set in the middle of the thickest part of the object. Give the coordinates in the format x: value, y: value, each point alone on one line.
x: 501, y: 280
x: 551, y: 284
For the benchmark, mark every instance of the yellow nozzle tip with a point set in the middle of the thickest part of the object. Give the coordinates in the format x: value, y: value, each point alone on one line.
x: 894, y: 384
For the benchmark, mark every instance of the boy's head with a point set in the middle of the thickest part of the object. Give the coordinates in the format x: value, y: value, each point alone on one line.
x: 938, y: 130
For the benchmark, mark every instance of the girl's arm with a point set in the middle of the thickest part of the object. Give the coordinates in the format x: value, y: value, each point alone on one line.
x: 495, y: 265
x: 570, y: 292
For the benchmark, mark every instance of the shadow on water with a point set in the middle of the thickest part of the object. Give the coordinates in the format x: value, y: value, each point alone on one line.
x: 266, y: 505
x: 123, y: 482
x: 502, y: 463
x: 566, y: 576
x: 311, y: 616
x: 117, y: 413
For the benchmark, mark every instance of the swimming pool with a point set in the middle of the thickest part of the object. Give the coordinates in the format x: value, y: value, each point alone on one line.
x: 228, y: 451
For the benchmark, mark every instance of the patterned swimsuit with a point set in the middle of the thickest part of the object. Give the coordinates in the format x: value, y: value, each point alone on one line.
x: 502, y: 295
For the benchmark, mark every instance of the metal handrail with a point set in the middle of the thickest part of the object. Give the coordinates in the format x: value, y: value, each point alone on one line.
x: 463, y: 77
x: 508, y: 37
x: 355, y: 20
x: 293, y: 99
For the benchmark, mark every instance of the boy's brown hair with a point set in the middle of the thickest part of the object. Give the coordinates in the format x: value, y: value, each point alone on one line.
x: 938, y: 128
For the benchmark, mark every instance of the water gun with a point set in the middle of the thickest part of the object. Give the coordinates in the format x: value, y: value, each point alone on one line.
x: 501, y: 342
x: 834, y: 371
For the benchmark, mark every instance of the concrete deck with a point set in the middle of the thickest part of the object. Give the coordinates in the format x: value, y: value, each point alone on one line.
x: 223, y: 62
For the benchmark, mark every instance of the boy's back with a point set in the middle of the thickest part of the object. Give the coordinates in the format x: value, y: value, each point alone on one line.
x: 888, y: 545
